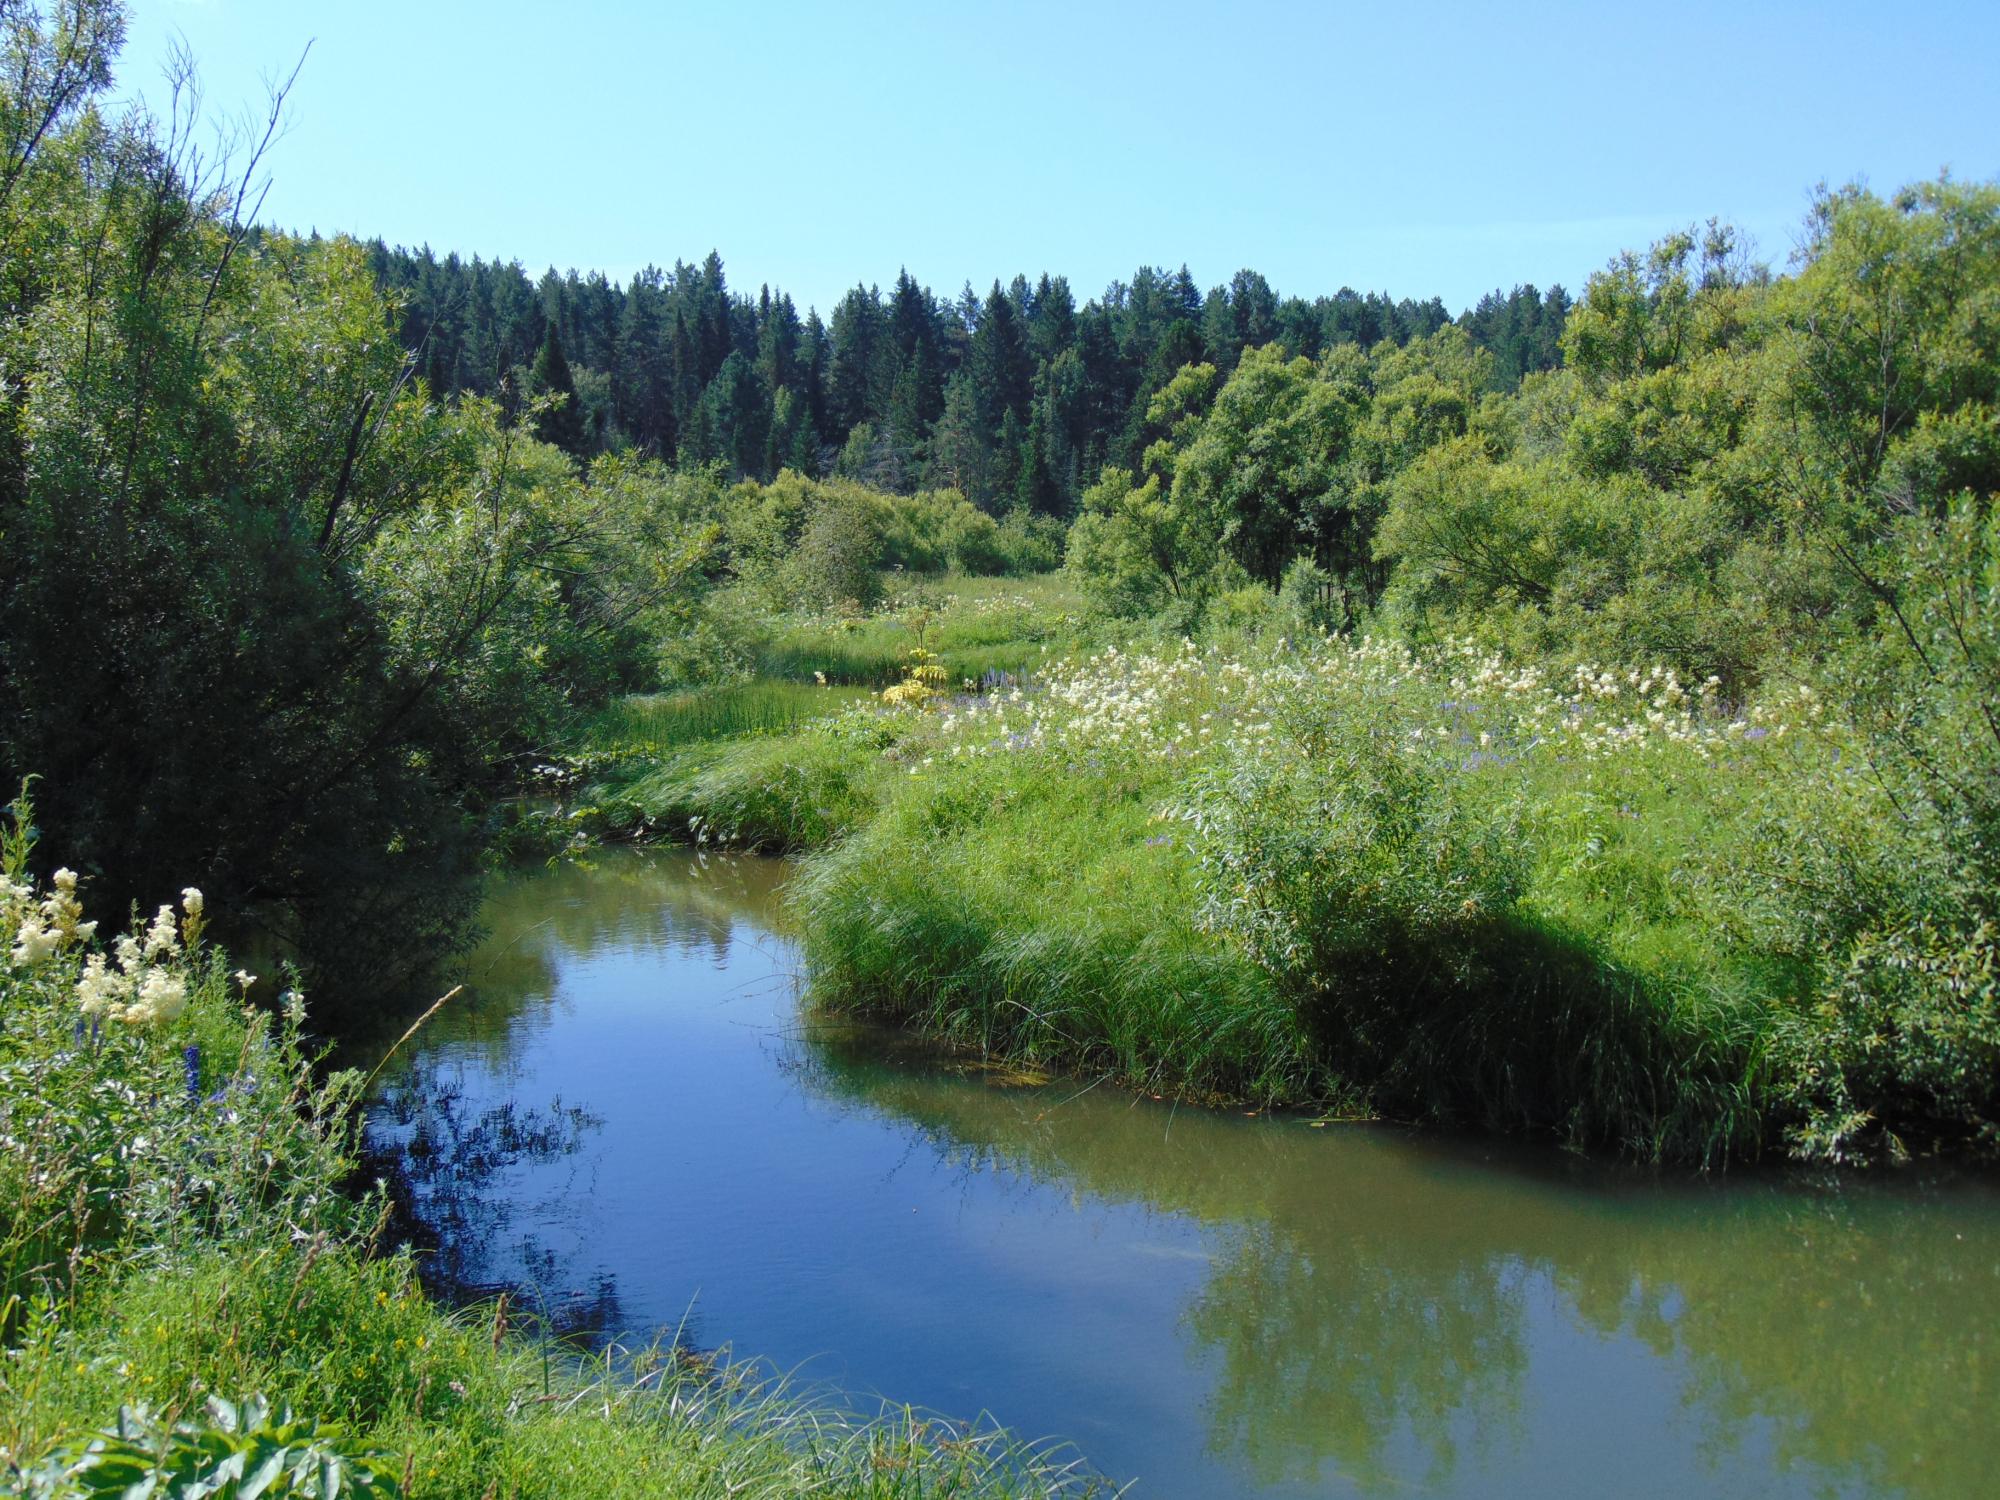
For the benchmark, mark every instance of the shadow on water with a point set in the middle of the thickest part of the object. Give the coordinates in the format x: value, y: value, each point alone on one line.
x: 1219, y: 1304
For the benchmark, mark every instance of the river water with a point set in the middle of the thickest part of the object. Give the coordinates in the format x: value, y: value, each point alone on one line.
x: 629, y: 1119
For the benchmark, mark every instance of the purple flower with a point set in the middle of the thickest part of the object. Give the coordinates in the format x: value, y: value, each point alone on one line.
x: 191, y: 1059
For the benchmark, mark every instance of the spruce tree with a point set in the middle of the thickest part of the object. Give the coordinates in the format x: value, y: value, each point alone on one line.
x: 560, y: 422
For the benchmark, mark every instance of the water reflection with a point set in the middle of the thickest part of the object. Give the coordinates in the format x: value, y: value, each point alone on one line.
x: 1389, y: 1292
x: 1217, y: 1304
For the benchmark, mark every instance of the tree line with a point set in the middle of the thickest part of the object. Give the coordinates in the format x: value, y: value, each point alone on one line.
x: 1016, y: 398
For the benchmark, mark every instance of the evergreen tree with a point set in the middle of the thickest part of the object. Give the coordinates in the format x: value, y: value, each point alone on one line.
x: 1002, y: 376
x: 561, y: 422
x: 858, y: 337
x: 739, y: 407
x: 778, y: 339
x: 816, y: 359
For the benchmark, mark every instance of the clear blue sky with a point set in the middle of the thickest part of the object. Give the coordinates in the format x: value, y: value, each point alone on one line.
x: 1412, y: 148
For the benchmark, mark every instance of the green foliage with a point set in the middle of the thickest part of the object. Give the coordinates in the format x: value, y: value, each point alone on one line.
x: 1132, y: 550
x: 813, y: 542
x: 1891, y: 862
x: 666, y: 721
x: 559, y: 419
x: 297, y: 623
x: 239, y: 1452
x: 1261, y: 476
x: 1307, y: 595
x: 834, y: 561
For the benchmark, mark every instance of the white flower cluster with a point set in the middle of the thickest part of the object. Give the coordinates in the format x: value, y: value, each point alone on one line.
x: 42, y: 929
x: 1453, y: 698
x: 146, y: 986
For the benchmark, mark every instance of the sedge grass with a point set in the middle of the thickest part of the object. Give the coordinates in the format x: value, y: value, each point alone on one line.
x: 665, y: 721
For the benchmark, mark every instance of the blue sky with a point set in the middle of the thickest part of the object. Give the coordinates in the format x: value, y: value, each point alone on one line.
x: 1412, y: 148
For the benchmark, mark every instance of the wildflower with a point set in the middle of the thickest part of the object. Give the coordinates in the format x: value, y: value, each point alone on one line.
x: 162, y: 997
x: 191, y: 901
x: 163, y: 937
x: 245, y: 978
x: 62, y: 912
x: 99, y: 989
x: 34, y: 943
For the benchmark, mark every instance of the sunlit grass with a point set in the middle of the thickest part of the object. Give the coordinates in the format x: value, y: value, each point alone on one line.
x: 976, y: 625
x: 665, y: 721
x: 1153, y: 865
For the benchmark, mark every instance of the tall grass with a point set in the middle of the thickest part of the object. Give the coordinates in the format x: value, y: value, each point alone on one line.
x: 1438, y: 883
x: 665, y: 721
x: 976, y: 625
x: 779, y: 795
x: 1045, y: 919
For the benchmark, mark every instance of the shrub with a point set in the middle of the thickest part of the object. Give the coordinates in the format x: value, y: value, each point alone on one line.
x: 836, y: 557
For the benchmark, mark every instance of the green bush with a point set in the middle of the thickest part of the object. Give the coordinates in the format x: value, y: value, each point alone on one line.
x: 240, y: 1451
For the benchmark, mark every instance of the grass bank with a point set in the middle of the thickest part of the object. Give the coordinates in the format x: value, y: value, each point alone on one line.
x: 978, y: 627
x: 1600, y: 905
x: 185, y: 1286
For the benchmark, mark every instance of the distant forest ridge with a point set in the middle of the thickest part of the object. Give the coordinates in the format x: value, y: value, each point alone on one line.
x: 1017, y: 398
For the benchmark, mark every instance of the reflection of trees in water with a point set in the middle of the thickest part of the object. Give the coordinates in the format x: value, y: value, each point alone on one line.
x: 1856, y: 1321
x: 1332, y: 1355
x: 455, y: 1166
x: 1374, y: 1292
x: 1375, y: 1288
x: 446, y: 1161
x: 638, y: 899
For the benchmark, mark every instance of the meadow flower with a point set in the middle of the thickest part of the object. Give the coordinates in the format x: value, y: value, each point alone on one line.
x: 163, y: 937
x: 33, y: 943
x: 100, y: 989
x: 162, y: 997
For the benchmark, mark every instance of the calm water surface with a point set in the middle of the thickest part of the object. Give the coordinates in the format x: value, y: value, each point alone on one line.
x: 630, y: 1119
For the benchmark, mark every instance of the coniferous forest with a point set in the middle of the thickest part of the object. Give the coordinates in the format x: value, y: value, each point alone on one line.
x: 1016, y: 397
x: 1340, y: 725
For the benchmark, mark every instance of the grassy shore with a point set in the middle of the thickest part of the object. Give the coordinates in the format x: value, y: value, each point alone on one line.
x: 1597, y: 904
x: 186, y: 1283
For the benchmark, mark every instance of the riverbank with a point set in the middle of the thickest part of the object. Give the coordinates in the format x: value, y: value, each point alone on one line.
x: 186, y: 1280
x: 1599, y: 905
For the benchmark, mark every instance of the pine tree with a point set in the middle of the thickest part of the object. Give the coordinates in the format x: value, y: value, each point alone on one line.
x: 858, y: 348
x: 560, y: 422
x: 1002, y: 375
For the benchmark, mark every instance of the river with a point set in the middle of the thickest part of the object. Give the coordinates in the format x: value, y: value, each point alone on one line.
x: 629, y: 1118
